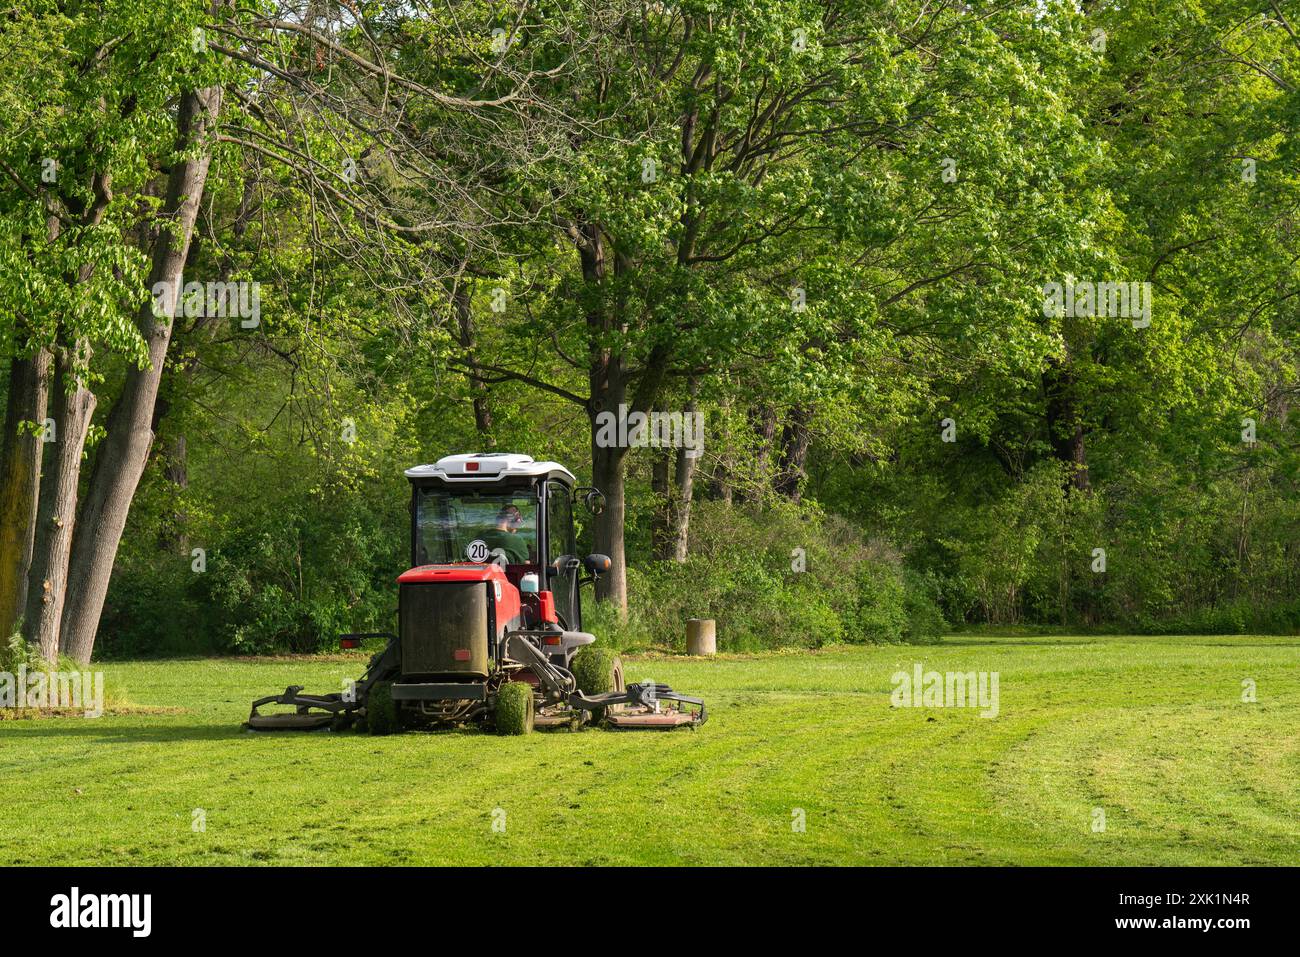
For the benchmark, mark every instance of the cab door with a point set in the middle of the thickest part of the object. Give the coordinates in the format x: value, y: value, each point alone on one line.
x: 561, y: 545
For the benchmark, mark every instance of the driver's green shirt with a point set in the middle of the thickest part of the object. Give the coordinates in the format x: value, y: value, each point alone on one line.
x: 512, y: 543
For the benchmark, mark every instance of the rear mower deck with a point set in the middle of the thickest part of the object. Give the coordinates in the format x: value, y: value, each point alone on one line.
x: 621, y: 717
x: 289, y: 722
x: 646, y: 718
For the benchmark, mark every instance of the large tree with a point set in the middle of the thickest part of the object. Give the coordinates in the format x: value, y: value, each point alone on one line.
x: 743, y: 187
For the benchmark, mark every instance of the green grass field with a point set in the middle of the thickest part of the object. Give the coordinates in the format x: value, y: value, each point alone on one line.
x: 1151, y: 730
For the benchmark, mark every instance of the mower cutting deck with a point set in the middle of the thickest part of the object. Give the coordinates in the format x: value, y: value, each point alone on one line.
x: 648, y: 720
x: 490, y: 605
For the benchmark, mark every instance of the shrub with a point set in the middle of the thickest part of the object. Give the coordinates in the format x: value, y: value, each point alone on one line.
x: 294, y: 579
x: 882, y: 601
x: 601, y: 620
x: 16, y: 653
x: 775, y: 576
x: 925, y: 619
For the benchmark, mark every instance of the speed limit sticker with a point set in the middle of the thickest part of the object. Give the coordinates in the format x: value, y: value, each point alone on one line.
x: 477, y: 550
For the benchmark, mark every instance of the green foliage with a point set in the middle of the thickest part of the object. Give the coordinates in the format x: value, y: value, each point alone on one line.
x: 773, y: 577
x: 787, y: 149
x: 296, y: 581
x: 88, y: 89
x: 602, y: 620
x: 288, y: 575
x: 742, y: 576
x: 895, y: 603
x: 1189, y: 558
x: 16, y: 653
x: 926, y: 622
x: 882, y: 612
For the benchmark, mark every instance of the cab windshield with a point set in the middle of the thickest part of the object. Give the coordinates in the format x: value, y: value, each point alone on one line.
x: 464, y: 526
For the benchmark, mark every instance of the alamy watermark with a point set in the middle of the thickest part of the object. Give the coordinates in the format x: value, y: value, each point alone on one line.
x: 951, y: 689
x: 133, y: 912
x: 1084, y: 299
x: 665, y: 430
x: 53, y: 691
x: 217, y: 300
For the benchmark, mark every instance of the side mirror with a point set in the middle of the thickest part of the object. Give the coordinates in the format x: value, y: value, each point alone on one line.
x: 565, y: 563
x: 596, y: 564
x: 595, y: 501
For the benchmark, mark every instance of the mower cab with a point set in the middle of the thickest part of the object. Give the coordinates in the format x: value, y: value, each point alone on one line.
x: 492, y: 599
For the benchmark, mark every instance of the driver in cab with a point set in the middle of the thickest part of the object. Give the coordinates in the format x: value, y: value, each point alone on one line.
x: 506, y: 536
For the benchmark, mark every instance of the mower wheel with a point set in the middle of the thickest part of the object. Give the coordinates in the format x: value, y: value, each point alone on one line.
x: 515, y: 708
x: 381, y: 710
x: 598, y: 671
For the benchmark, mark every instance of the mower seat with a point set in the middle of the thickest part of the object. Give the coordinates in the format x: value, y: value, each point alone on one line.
x: 575, y: 639
x: 560, y: 646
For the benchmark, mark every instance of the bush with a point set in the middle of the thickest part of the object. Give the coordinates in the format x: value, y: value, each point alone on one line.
x: 154, y: 608
x: 882, y: 600
x: 770, y: 578
x: 294, y: 579
x: 777, y: 576
x: 925, y: 620
x: 16, y: 653
x: 601, y: 620
x: 296, y: 549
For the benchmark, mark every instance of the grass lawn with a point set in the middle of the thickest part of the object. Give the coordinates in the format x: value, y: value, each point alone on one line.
x: 1151, y: 730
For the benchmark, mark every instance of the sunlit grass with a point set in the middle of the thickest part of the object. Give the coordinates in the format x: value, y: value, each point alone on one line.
x: 1152, y: 731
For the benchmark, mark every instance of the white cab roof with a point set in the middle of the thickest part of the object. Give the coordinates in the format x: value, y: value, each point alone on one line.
x: 487, y: 466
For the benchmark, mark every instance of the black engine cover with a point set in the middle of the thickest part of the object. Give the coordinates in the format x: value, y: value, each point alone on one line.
x: 445, y: 627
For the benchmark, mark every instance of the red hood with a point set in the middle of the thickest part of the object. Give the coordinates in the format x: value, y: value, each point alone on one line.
x: 453, y: 573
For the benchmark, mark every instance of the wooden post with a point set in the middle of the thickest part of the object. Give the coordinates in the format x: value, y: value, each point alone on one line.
x: 701, y: 636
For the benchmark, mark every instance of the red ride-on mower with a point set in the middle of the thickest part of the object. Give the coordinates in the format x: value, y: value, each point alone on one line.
x: 489, y: 617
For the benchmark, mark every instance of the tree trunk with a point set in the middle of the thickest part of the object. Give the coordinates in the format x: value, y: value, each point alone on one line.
x: 56, y: 513
x: 763, y: 422
x: 176, y: 469
x: 607, y: 393
x: 608, y: 383
x: 661, y: 523
x: 683, y: 493
x: 1065, y: 423
x: 478, y: 388
x: 20, y: 463
x: 608, y: 474
x: 719, y: 481
x: 794, y: 454
x: 121, y: 458
x: 669, y: 529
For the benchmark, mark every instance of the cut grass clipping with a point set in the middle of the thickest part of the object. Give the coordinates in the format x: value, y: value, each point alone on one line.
x: 515, y: 708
